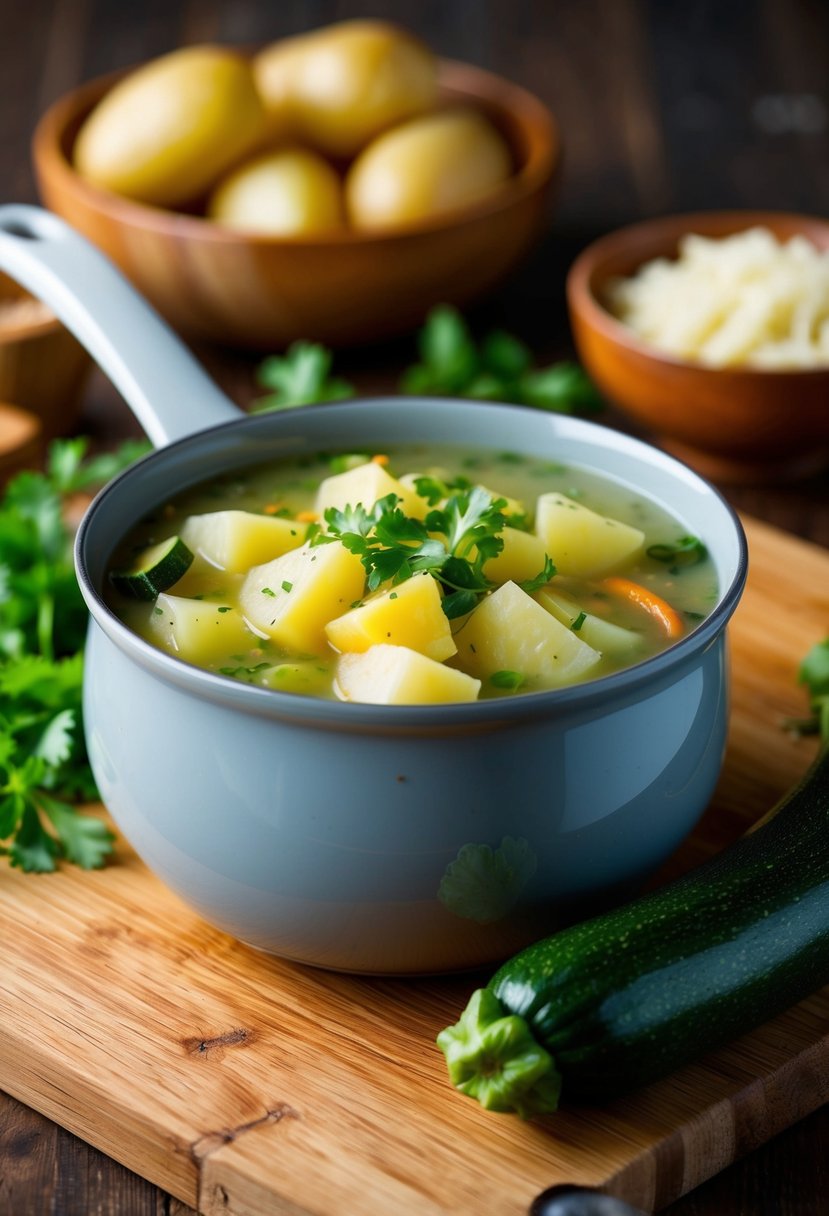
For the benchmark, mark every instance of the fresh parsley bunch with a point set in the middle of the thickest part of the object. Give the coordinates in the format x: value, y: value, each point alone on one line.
x: 499, y: 369
x: 451, y: 365
x: 44, y: 768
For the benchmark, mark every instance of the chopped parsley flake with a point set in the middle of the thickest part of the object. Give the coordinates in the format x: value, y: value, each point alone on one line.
x: 507, y: 679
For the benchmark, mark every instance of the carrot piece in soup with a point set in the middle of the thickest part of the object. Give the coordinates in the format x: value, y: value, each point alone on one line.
x: 665, y: 616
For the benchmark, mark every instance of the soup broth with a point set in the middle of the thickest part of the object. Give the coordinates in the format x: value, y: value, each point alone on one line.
x: 275, y: 582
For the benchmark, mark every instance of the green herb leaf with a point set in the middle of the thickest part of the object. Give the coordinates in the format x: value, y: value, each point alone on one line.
x: 814, y: 673
x: 563, y: 388
x: 449, y: 359
x: 302, y: 376
x: 70, y: 470
x: 85, y: 840
x: 55, y: 744
x: 687, y: 551
x: 458, y: 603
x: 33, y: 849
x: 507, y: 679
x: 504, y: 356
x: 541, y: 579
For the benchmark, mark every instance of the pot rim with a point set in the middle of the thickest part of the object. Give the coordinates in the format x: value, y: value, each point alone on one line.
x: 603, y: 691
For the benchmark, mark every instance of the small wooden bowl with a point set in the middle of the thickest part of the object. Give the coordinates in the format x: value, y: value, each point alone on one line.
x: 732, y: 424
x: 42, y: 367
x: 263, y: 292
x: 21, y: 441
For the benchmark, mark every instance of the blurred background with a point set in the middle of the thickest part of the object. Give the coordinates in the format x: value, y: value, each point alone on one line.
x: 661, y: 107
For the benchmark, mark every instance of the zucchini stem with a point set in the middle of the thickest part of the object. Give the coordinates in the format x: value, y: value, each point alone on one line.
x: 493, y: 1056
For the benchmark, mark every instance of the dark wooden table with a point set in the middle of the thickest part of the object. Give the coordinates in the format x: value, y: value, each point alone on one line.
x: 663, y: 107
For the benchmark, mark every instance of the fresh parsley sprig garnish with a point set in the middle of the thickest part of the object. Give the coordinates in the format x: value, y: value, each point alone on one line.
x: 390, y: 544
x: 453, y: 543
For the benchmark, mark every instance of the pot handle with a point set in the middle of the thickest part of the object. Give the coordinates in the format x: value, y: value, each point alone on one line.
x: 162, y: 383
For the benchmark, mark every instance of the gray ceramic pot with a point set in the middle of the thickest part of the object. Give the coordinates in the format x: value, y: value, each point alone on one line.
x: 358, y: 837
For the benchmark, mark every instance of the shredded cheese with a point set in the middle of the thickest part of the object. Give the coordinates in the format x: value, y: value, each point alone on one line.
x: 744, y: 299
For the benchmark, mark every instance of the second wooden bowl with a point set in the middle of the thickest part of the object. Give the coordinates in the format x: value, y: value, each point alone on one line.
x: 734, y: 424
x: 42, y: 367
x: 264, y: 292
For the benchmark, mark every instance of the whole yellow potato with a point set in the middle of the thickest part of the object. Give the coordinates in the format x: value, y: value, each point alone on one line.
x: 167, y: 131
x: 426, y: 167
x: 285, y: 193
x: 274, y: 71
x: 338, y: 87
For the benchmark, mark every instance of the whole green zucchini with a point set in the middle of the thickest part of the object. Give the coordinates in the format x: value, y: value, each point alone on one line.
x: 618, y: 1001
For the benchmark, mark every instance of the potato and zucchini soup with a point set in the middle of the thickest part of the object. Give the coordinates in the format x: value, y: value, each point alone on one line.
x: 416, y: 577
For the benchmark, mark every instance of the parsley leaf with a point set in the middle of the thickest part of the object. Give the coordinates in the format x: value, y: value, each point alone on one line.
x: 449, y: 361
x: 302, y: 376
x: 814, y: 673
x: 541, y: 579
x: 84, y: 839
x: 686, y: 551
x: 69, y: 469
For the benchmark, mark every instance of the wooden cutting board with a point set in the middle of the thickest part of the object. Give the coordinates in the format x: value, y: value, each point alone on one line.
x: 249, y: 1086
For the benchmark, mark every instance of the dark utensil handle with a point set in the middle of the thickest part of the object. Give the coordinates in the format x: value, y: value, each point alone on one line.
x: 579, y: 1201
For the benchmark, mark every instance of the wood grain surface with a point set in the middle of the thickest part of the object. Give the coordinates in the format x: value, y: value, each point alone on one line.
x: 245, y: 1085
x: 663, y: 107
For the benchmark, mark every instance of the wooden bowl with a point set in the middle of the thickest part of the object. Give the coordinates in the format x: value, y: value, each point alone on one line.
x: 42, y: 367
x: 21, y: 436
x: 733, y: 424
x: 263, y: 292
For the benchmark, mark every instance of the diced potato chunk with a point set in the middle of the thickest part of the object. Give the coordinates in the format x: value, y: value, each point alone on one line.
x: 395, y: 675
x: 196, y: 630
x: 237, y: 540
x: 514, y: 505
x: 366, y: 484
x: 582, y: 543
x: 509, y: 631
x: 292, y: 598
x: 409, y: 614
x: 602, y: 635
x: 522, y: 557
